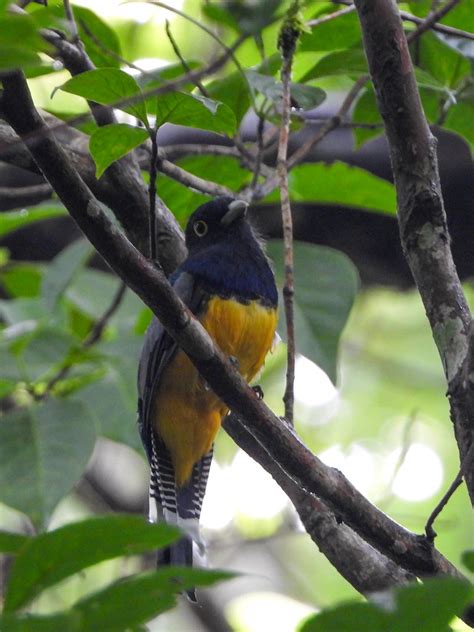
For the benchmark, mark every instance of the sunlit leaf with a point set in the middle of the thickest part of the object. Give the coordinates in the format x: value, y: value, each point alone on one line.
x: 341, y: 32
x: 191, y: 110
x: 325, y: 287
x: 108, y: 144
x: 232, y: 90
x: 50, y: 557
x: 351, y: 62
x: 468, y: 560
x: 16, y: 29
x: 21, y: 279
x: 43, y: 451
x: 108, y: 86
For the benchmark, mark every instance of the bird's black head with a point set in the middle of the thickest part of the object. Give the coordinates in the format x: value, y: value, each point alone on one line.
x: 215, y: 221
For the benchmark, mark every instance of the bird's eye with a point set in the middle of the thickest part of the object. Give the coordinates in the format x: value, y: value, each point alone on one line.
x: 200, y: 228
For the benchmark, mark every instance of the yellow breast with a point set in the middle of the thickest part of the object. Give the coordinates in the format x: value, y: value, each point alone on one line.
x: 187, y: 414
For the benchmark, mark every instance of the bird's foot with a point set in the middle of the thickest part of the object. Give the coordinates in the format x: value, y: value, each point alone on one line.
x: 258, y: 390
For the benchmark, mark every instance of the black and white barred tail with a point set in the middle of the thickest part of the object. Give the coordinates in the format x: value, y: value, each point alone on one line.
x: 180, y: 506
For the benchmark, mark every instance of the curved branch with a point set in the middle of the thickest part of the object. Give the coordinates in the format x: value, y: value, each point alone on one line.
x: 422, y: 218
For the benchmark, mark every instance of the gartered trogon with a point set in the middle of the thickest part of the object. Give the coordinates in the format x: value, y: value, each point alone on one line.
x: 227, y: 282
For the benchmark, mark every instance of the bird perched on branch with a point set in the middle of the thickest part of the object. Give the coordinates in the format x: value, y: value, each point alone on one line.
x: 227, y: 282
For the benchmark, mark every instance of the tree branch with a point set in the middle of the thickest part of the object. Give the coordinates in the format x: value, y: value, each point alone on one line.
x: 287, y: 41
x: 423, y: 227
x: 285, y: 450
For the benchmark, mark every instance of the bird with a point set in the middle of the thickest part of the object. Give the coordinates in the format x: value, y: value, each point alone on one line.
x: 228, y: 284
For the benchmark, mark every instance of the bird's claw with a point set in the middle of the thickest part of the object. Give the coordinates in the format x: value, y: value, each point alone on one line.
x: 258, y: 390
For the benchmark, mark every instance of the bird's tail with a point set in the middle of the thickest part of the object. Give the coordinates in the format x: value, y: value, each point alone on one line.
x: 180, y: 506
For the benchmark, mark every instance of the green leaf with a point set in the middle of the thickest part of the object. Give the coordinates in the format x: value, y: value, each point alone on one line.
x: 306, y: 97
x: 220, y: 15
x: 13, y: 220
x: 325, y: 287
x: 413, y: 611
x: 342, y: 184
x: 232, y: 90
x: 341, y: 32
x: 43, y: 451
x: 100, y: 40
x: 92, y: 291
x: 468, y: 560
x: 21, y: 279
x: 62, y: 270
x: 44, y: 352
x: 12, y: 542
x: 123, y: 605
x: 39, y: 623
x: 112, y: 402
x: 14, y: 58
x: 191, y: 110
x: 150, y: 594
x: 108, y: 86
x: 366, y: 111
x: 440, y: 61
x: 351, y: 62
x: 460, y: 16
x: 109, y: 143
x: 21, y: 28
x: 50, y: 557
x: 459, y: 120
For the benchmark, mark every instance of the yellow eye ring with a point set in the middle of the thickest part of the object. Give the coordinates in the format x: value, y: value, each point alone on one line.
x: 200, y: 228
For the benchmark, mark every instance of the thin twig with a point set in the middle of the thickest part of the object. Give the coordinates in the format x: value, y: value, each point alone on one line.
x: 111, y: 53
x: 431, y: 19
x: 465, y: 465
x: 184, y: 63
x: 215, y: 37
x: 331, y: 16
x: 70, y: 18
x: 440, y: 28
x: 287, y: 41
x: 190, y: 180
x: 405, y: 447
x: 152, y: 195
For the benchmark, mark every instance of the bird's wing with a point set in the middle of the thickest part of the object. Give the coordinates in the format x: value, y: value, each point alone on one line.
x: 157, y: 351
x: 182, y: 505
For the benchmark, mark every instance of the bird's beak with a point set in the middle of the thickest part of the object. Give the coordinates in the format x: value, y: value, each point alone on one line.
x: 237, y: 210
